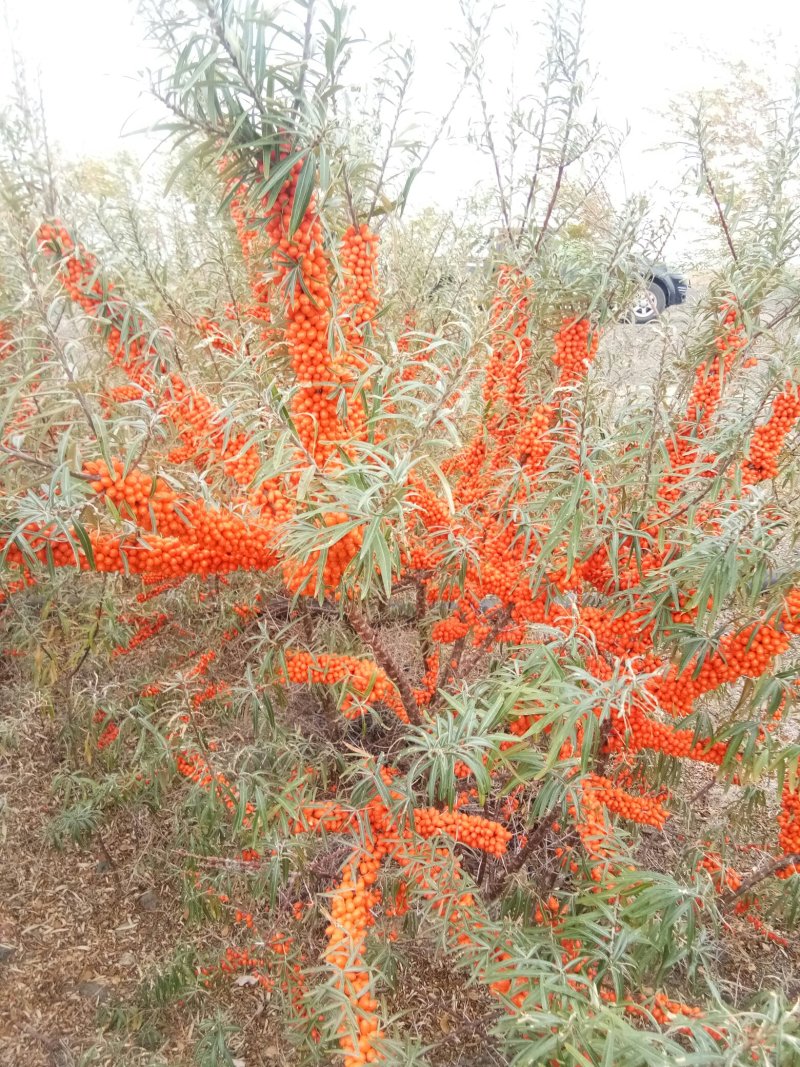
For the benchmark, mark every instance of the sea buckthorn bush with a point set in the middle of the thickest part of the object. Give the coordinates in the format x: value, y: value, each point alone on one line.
x: 429, y: 644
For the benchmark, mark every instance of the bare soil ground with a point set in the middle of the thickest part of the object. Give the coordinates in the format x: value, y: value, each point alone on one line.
x: 78, y: 932
x: 81, y: 928
x: 631, y: 355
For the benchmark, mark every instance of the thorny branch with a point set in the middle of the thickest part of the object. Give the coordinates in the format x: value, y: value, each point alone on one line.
x: 357, y: 620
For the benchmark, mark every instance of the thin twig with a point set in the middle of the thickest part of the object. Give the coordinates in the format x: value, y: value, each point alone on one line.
x: 504, y: 618
x: 563, y: 163
x: 357, y: 620
x: 535, y: 837
x: 28, y: 458
x: 713, y: 192
x: 420, y: 608
x: 487, y: 131
x: 93, y: 632
x: 307, y: 41
x: 390, y: 142
x: 218, y: 25
x: 759, y: 875
x: 701, y: 792
x: 57, y: 346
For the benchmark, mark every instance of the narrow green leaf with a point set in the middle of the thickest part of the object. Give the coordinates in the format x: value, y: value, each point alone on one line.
x: 303, y: 193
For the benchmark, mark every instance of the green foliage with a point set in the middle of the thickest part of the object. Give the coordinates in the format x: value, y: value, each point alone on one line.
x: 213, y: 1048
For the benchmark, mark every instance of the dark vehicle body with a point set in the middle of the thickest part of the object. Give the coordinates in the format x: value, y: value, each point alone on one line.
x: 661, y: 289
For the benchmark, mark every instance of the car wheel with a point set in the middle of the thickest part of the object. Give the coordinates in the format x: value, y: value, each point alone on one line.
x: 649, y: 304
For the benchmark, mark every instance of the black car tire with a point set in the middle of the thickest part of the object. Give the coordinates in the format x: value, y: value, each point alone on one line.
x: 649, y: 305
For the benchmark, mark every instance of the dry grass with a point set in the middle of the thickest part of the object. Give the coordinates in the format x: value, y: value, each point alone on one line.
x: 84, y: 927
x: 79, y: 931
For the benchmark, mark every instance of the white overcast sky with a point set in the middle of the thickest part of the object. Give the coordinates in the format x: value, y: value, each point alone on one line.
x: 89, y: 53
